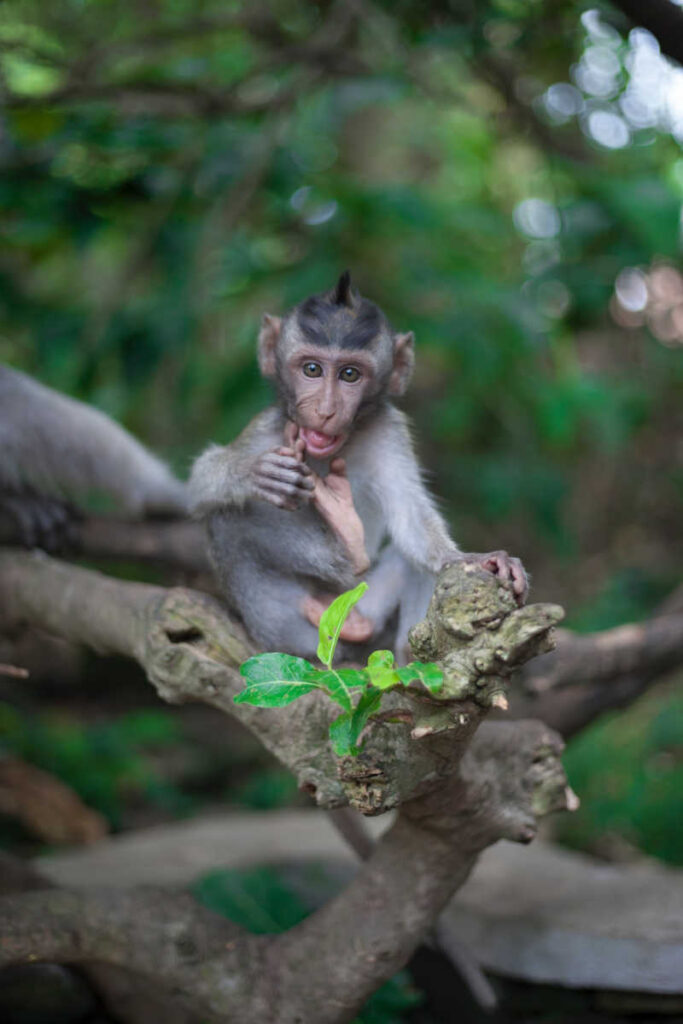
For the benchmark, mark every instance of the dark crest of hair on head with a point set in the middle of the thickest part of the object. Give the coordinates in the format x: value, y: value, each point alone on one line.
x: 340, y: 318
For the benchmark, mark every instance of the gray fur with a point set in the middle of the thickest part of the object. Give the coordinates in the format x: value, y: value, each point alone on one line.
x: 267, y: 559
x: 52, y: 446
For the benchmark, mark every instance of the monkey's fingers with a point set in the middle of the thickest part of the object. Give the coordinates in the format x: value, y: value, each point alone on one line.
x: 293, y: 458
x: 276, y: 498
x: 300, y: 450
x: 284, y: 458
x: 297, y: 491
x: 291, y: 433
x: 511, y: 569
x: 520, y: 580
x: 283, y: 474
x: 338, y: 467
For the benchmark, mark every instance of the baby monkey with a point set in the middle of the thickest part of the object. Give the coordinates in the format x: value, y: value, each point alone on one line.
x: 324, y: 486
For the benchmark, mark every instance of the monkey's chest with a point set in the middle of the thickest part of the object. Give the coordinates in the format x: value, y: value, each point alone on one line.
x: 374, y: 525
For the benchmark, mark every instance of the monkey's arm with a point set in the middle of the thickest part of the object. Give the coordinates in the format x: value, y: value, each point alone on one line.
x: 255, y: 465
x: 53, y: 447
x: 413, y: 521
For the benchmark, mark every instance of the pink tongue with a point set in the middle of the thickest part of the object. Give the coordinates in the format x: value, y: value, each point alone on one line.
x: 318, y: 439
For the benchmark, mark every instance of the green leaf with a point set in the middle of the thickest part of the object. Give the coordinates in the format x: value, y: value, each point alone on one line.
x: 382, y: 670
x: 274, y: 694
x: 266, y: 668
x: 340, y: 684
x: 333, y: 619
x: 275, y: 680
x: 384, y: 659
x: 345, y: 730
x: 427, y: 673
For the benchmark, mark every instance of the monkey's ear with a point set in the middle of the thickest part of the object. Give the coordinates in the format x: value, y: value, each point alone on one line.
x: 404, y: 361
x: 343, y: 293
x: 267, y: 343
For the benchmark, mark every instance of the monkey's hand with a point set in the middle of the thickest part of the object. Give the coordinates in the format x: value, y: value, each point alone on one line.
x: 333, y: 499
x: 507, y: 568
x: 280, y: 477
x: 40, y: 522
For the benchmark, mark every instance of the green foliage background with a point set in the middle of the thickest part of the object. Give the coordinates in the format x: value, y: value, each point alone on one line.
x: 173, y: 168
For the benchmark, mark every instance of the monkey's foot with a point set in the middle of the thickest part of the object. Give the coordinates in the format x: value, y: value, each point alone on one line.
x: 333, y: 499
x: 357, y: 628
x: 39, y: 522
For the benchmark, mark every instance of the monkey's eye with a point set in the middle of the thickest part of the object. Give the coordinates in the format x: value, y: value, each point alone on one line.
x: 313, y: 370
x: 350, y: 374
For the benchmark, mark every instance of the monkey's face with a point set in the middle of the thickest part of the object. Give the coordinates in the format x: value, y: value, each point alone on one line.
x: 326, y: 388
x: 334, y: 359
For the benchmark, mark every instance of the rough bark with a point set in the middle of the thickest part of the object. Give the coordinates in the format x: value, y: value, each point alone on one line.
x: 510, y: 776
x: 458, y: 790
x: 191, y: 650
x: 599, y: 672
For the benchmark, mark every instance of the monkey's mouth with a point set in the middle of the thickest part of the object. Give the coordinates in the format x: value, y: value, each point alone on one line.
x: 319, y: 445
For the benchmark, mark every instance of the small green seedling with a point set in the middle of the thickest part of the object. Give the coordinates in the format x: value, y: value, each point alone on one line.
x: 274, y: 680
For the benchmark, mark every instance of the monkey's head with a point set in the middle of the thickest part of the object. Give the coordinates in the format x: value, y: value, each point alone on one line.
x: 334, y: 359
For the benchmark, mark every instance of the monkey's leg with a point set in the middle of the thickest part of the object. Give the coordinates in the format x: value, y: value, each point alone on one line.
x: 416, y: 593
x: 333, y: 499
x: 357, y: 628
x: 271, y: 607
x: 385, y: 581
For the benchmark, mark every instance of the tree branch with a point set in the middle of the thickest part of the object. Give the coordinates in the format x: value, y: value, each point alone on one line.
x: 191, y: 650
x: 177, y: 543
x: 654, y: 646
x: 510, y: 776
x: 428, y: 854
x: 586, y: 676
x: 458, y: 790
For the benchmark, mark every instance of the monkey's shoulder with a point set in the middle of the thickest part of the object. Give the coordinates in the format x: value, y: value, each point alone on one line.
x: 263, y: 432
x: 378, y: 442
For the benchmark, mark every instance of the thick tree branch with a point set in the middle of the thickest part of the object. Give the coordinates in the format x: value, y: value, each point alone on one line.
x: 654, y: 646
x: 510, y: 776
x: 163, y: 937
x: 458, y: 791
x: 191, y: 650
x: 586, y: 676
x: 436, y: 839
